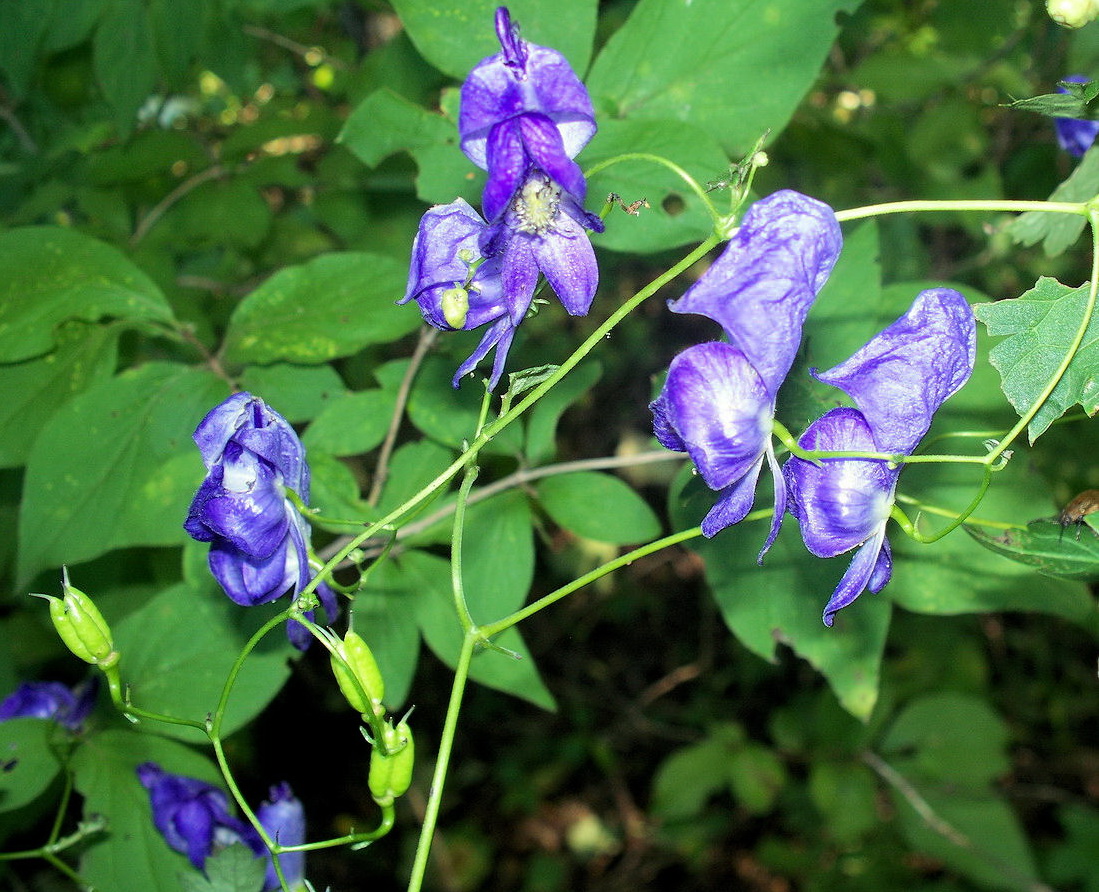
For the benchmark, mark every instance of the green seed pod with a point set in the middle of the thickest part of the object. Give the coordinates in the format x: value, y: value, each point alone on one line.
x: 362, y: 666
x: 82, y: 627
x: 455, y: 304
x: 390, y: 776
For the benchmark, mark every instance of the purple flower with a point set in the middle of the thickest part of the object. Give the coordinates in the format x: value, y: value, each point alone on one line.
x: 524, y: 107
x: 194, y: 819
x: 1075, y: 135
x: 897, y: 380
x: 258, y: 539
x: 718, y: 403
x: 51, y: 700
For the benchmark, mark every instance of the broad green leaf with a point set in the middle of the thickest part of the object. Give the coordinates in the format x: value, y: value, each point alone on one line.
x: 498, y: 555
x: 25, y: 22
x: 226, y: 213
x: 384, y: 614
x: 1073, y: 859
x: 115, y: 467
x: 676, y: 215
x: 1038, y: 329
x: 177, y: 30
x: 297, y: 392
x: 72, y: 23
x: 28, y: 759
x: 385, y: 123
x: 455, y: 36
x: 1078, y: 101
x: 334, y: 492
x: 331, y: 306
x: 178, y: 649
x: 846, y: 796
x: 36, y: 388
x: 232, y: 869
x: 1047, y: 546
x: 689, y: 776
x: 1058, y: 232
x: 352, y: 423
x: 541, y: 438
x: 49, y: 275
x: 125, y: 61
x: 134, y: 855
x: 737, y: 70
x: 411, y: 468
x: 756, y: 776
x: 598, y: 506
x: 429, y: 577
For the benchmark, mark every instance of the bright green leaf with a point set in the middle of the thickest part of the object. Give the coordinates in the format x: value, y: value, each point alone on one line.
x: 49, y: 275
x: 28, y: 759
x: 1038, y: 329
x: 688, y: 777
x: 232, y: 869
x: 1048, y: 547
x: 498, y: 555
x: 598, y: 506
x: 297, y: 392
x: 353, y: 423
x: 411, y: 468
x: 1058, y: 232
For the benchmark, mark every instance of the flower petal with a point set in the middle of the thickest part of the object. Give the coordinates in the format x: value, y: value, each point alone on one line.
x: 872, y: 564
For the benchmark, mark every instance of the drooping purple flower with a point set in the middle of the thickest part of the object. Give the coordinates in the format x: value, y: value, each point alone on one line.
x: 524, y: 107
x: 69, y: 707
x: 258, y: 539
x: 283, y: 817
x: 1075, y: 135
x: 718, y: 402
x: 897, y: 381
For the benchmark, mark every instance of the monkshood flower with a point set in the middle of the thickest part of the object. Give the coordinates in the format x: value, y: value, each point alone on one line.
x: 897, y: 381
x: 258, y: 539
x: 68, y: 707
x: 524, y: 107
x: 194, y: 819
x: 718, y: 402
x: 1075, y: 135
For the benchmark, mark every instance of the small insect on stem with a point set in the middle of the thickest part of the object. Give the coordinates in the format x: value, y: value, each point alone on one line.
x: 633, y: 208
x: 1080, y: 507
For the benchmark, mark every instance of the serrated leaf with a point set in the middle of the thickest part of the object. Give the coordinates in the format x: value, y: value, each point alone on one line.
x: 598, y: 506
x: 232, y: 869
x: 124, y: 59
x: 1058, y: 232
x: 49, y: 275
x: 115, y: 466
x: 1038, y: 329
x: 1080, y: 101
x: 1048, y: 547
x: 180, y: 646
x: 332, y: 306
x: 739, y: 69
x: 28, y: 760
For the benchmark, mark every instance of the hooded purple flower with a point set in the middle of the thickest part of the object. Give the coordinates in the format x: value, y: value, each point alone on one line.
x: 897, y: 380
x: 194, y: 819
x: 718, y: 403
x: 1075, y: 135
x: 51, y: 700
x: 258, y: 540
x: 524, y: 107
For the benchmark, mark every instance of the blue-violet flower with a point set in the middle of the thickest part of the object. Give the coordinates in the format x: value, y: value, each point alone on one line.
x: 718, y: 402
x: 69, y: 707
x: 897, y: 381
x: 283, y: 817
x: 524, y: 107
x: 1075, y: 135
x: 258, y: 539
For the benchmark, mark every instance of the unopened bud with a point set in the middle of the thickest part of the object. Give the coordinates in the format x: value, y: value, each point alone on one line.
x: 1073, y: 13
x: 359, y: 665
x: 81, y: 626
x: 391, y: 775
x: 455, y: 303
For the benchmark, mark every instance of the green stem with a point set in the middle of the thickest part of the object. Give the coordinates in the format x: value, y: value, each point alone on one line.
x: 456, y: 538
x: 442, y: 763
x: 1080, y: 209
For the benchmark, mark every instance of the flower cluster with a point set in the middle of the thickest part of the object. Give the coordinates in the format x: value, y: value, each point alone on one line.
x: 258, y: 538
x: 69, y: 707
x: 524, y: 117
x: 718, y: 402
x: 194, y: 819
x: 1075, y: 135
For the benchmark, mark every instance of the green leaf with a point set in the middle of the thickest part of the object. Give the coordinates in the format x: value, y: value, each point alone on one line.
x: 177, y: 27
x: 115, y: 467
x: 676, y: 215
x: 1044, y: 546
x: 384, y: 614
x: 689, y: 776
x: 125, y: 62
x: 847, y: 798
x: 36, y: 388
x: 1038, y: 329
x: 455, y: 36
x: 297, y: 392
x: 334, y: 491
x: 1080, y: 101
x: 1058, y: 232
x: 411, y: 468
x: 352, y: 423
x: 49, y: 275
x: 28, y: 761
x: 231, y: 869
x: 598, y: 506
x: 498, y: 555
x: 756, y: 776
x: 1073, y: 859
x: 429, y: 577
x: 134, y: 855
x: 738, y: 69
x: 331, y: 306
x: 25, y: 22
x: 541, y: 437
x: 178, y: 648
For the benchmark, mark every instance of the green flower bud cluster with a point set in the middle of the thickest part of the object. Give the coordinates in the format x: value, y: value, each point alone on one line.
x: 391, y: 763
x: 81, y: 626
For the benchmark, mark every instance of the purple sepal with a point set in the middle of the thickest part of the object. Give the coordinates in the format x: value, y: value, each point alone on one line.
x: 283, y: 817
x: 870, y: 569
x: 69, y: 707
x: 761, y: 287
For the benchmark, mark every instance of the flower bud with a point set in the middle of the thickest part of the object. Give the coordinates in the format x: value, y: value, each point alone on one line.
x: 1073, y: 13
x: 390, y: 776
x: 359, y: 665
x: 81, y: 626
x: 455, y: 306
